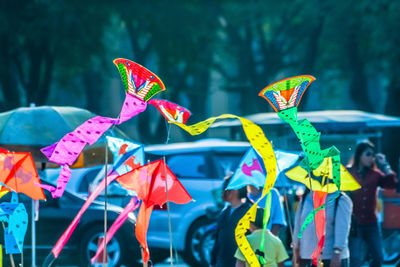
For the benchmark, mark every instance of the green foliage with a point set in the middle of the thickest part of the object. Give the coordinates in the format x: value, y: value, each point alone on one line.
x: 342, y: 43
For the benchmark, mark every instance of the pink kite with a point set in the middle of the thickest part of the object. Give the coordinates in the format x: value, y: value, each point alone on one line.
x: 140, y: 85
x: 171, y: 111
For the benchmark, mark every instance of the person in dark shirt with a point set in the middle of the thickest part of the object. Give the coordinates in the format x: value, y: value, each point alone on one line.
x: 370, y: 170
x: 222, y: 254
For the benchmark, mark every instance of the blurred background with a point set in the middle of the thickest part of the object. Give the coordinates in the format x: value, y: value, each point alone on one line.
x: 213, y: 56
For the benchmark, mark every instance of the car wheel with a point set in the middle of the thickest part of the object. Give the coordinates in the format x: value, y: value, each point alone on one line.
x: 192, y: 253
x: 206, y: 245
x: 158, y: 255
x: 88, y: 247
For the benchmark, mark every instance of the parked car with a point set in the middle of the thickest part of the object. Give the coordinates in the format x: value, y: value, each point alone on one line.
x: 81, y: 180
x: 55, y: 214
x: 200, y: 166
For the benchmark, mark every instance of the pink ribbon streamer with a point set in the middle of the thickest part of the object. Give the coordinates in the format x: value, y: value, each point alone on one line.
x: 132, y: 205
x: 67, y: 150
x: 67, y: 234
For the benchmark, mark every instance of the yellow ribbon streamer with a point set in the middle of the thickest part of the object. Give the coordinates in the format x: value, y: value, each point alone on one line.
x: 260, y: 143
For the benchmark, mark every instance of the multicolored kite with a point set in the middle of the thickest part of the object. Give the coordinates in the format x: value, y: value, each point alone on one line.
x: 140, y: 85
x: 284, y: 96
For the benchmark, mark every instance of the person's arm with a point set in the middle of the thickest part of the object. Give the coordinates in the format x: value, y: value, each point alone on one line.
x: 277, y: 217
x: 281, y: 255
x: 296, y: 230
x: 214, y: 250
x: 389, y: 179
x: 296, y: 256
x: 240, y: 263
x: 336, y: 258
x: 342, y: 227
x: 240, y: 259
x: 275, y: 229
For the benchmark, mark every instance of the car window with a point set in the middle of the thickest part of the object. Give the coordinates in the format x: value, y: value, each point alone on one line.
x: 87, y: 179
x: 188, y: 165
x: 227, y: 162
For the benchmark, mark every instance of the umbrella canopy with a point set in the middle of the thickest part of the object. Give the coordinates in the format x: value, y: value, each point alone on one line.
x: 28, y: 129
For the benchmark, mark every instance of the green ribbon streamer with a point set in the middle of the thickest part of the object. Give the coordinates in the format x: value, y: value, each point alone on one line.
x: 267, y: 214
x: 309, y: 139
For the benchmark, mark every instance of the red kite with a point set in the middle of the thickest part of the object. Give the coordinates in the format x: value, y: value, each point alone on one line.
x: 18, y: 172
x: 150, y: 183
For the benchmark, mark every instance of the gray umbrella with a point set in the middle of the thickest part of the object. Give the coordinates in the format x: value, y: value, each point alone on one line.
x: 28, y: 129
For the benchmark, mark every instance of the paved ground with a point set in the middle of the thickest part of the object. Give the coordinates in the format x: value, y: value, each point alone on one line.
x: 288, y: 263
x: 180, y: 263
x: 185, y: 265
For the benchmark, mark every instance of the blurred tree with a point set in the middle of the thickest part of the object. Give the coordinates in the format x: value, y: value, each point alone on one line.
x: 345, y: 44
x: 384, y: 28
x: 179, y: 41
x: 42, y: 39
x: 272, y: 40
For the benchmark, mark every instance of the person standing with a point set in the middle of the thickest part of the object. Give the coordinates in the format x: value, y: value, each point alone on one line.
x: 370, y: 170
x: 335, y: 252
x: 277, y: 218
x: 222, y: 254
x: 274, y: 253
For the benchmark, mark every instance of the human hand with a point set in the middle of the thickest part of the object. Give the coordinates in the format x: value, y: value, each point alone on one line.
x: 382, y: 163
x: 296, y: 257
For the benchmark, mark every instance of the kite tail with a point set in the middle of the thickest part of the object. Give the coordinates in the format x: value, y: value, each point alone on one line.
x: 308, y: 137
x: 309, y: 219
x: 141, y: 229
x: 317, y: 252
x: 62, y: 180
x: 132, y: 205
x: 67, y: 150
x: 290, y: 116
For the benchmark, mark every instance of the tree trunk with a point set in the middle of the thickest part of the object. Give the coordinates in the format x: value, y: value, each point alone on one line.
x: 358, y: 79
x: 8, y: 81
x: 390, y: 138
x: 311, y: 54
x: 46, y: 77
x: 34, y: 70
x: 92, y: 82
